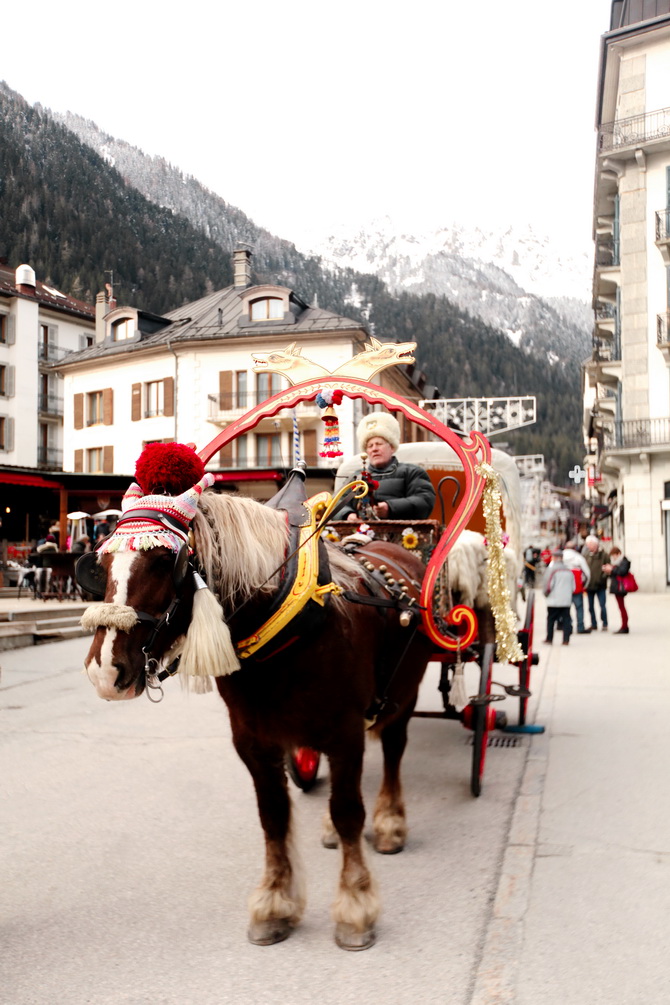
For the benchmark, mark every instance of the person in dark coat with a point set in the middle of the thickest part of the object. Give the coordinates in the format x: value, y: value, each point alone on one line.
x: 404, y: 491
x: 616, y: 569
x: 596, y: 557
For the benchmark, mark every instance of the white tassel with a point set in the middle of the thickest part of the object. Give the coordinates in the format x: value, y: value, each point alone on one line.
x: 458, y: 696
x: 208, y: 648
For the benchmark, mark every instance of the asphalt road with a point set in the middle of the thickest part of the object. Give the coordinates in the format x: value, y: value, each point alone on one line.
x: 130, y: 843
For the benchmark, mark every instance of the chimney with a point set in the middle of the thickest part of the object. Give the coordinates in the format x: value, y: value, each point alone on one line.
x: 241, y: 268
x: 25, y: 280
x: 101, y: 309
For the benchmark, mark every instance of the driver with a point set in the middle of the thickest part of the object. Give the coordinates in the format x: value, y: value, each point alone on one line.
x: 404, y: 491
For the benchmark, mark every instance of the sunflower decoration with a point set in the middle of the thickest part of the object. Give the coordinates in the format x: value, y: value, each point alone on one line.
x: 410, y: 538
x: 331, y: 534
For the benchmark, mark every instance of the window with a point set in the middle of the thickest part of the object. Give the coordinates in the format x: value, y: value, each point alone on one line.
x: 94, y: 404
x: 155, y: 399
x: 267, y: 384
x: 268, y: 449
x: 94, y: 460
x: 3, y: 328
x: 266, y: 309
x: 241, y: 388
x: 6, y: 381
x: 242, y: 451
x: 122, y: 329
x: 6, y: 329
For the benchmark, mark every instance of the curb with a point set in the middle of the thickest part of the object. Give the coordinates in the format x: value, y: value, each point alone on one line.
x: 495, y: 979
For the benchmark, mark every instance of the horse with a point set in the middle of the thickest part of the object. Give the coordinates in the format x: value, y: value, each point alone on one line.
x: 353, y: 658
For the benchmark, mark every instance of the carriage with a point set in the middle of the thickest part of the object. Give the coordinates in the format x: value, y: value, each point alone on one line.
x: 307, y: 645
x: 461, y: 579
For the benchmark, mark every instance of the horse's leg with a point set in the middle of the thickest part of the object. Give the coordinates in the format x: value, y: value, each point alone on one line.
x: 390, y: 827
x: 356, y: 905
x: 277, y: 904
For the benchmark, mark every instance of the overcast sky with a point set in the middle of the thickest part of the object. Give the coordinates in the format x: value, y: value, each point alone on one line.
x: 307, y: 115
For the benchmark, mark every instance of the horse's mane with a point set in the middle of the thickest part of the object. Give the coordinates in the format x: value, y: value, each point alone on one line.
x: 240, y: 544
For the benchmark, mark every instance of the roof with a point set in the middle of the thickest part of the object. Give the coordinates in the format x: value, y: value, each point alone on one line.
x: 46, y: 296
x: 215, y: 317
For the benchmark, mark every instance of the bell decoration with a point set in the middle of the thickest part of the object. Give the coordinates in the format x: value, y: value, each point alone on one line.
x: 331, y: 441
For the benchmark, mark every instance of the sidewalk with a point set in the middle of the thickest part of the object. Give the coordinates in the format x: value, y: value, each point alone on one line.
x: 581, y: 913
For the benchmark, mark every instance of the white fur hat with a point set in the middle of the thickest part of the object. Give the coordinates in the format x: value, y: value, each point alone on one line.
x: 378, y: 424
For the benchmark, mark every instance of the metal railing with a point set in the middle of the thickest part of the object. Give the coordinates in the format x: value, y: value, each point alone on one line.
x: 605, y: 311
x: 663, y: 329
x: 607, y: 255
x: 241, y: 401
x: 635, y: 130
x: 50, y: 352
x: 50, y: 456
x: 250, y: 463
x: 606, y: 350
x: 50, y: 404
x: 662, y: 224
x: 636, y: 433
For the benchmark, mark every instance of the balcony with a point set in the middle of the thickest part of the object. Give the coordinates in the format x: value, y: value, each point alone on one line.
x: 663, y: 234
x: 634, y: 132
x: 249, y: 464
x: 50, y: 457
x: 663, y: 335
x: 606, y: 350
x: 633, y: 434
x: 50, y: 352
x: 225, y: 408
x: 606, y: 319
x: 50, y: 404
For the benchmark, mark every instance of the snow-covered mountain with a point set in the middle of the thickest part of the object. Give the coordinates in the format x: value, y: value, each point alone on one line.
x: 512, y: 278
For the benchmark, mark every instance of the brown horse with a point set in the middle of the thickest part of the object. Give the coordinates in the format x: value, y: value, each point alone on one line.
x: 316, y: 684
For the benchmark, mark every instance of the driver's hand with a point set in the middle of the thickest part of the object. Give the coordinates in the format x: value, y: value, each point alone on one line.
x: 382, y: 510
x: 352, y: 518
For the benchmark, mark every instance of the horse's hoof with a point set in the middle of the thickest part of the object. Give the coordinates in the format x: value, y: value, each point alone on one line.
x: 266, y: 933
x: 386, y: 848
x: 348, y: 938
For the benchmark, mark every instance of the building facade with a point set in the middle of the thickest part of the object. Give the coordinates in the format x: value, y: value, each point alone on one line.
x: 38, y: 326
x: 189, y: 374
x: 627, y: 379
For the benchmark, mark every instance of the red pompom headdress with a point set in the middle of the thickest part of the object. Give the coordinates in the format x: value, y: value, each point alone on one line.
x: 168, y: 469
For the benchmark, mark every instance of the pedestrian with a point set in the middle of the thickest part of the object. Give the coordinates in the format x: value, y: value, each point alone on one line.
x: 558, y: 588
x: 617, y: 568
x: 596, y: 557
x: 580, y: 570
x: 48, y: 544
x: 530, y: 559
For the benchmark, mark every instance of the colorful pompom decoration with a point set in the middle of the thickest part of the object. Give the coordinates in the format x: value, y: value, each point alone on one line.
x: 331, y: 441
x: 168, y: 469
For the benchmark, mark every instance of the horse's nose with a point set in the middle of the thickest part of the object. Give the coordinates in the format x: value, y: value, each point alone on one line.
x: 125, y: 675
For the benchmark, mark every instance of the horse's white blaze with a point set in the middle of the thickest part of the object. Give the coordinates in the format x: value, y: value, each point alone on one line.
x: 100, y: 669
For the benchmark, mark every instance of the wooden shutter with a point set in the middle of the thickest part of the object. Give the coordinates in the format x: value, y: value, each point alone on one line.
x: 108, y: 406
x: 9, y: 381
x: 79, y: 460
x: 9, y: 433
x: 226, y: 456
x: 11, y: 330
x: 108, y: 460
x: 310, y: 455
x: 136, y: 403
x: 168, y: 396
x: 79, y: 412
x: 225, y: 389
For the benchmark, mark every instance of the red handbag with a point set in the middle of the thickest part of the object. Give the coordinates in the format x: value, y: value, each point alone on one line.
x: 629, y: 583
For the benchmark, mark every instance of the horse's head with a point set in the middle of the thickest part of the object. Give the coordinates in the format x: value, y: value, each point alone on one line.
x: 155, y: 606
x: 147, y: 608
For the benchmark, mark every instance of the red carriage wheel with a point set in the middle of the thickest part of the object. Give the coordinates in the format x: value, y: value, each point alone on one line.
x: 302, y: 764
x: 529, y: 658
x: 480, y: 717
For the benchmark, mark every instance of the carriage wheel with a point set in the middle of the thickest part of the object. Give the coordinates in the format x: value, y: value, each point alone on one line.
x: 481, y: 718
x: 529, y: 659
x: 302, y: 764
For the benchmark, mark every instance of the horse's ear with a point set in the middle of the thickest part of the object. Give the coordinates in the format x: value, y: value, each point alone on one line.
x: 188, y: 501
x: 131, y: 497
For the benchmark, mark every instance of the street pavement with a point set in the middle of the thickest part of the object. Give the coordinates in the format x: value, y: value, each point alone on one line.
x: 129, y: 844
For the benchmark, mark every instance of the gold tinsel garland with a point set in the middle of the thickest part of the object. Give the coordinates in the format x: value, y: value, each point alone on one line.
x: 508, y: 649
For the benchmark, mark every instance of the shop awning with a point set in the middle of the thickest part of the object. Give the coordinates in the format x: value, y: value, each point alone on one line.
x: 32, y: 481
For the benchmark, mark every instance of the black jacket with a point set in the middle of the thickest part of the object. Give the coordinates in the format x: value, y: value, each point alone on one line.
x: 405, y: 487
